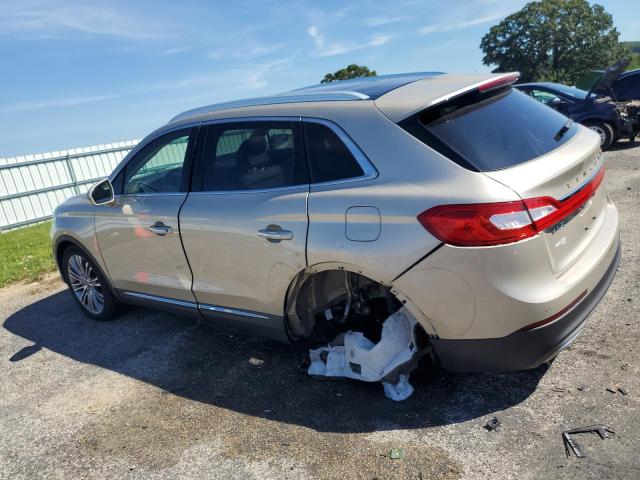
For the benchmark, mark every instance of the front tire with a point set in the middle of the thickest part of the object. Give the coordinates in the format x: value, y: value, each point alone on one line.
x: 88, y: 286
x: 604, y: 130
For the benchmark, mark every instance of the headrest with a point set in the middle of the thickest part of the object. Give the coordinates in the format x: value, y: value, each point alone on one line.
x: 253, y: 146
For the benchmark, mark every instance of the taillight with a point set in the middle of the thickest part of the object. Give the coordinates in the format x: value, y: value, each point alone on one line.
x: 479, y: 224
x: 483, y: 224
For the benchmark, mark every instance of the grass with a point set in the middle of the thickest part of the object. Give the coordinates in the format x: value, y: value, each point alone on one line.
x: 25, y: 254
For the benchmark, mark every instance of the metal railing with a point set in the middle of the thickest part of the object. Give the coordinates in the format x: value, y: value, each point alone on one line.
x: 32, y: 187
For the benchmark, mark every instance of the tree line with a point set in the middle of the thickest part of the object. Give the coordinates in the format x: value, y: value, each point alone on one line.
x: 547, y: 40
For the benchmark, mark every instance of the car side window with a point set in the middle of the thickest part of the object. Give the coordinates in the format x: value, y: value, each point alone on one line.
x: 628, y: 88
x: 158, y: 167
x: 544, y: 97
x: 329, y: 158
x: 253, y: 156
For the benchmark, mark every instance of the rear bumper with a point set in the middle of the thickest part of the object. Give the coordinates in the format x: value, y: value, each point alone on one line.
x: 525, y: 349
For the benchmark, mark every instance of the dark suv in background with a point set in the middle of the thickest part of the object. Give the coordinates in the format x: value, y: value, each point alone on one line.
x: 596, y: 104
x: 596, y: 112
x: 625, y: 88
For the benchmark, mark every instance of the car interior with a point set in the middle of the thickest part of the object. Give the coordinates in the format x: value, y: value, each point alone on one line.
x: 266, y: 158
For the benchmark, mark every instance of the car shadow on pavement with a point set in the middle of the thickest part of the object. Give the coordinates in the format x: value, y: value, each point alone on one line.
x: 254, y: 376
x: 622, y: 145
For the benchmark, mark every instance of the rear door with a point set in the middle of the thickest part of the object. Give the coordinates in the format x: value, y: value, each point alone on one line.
x: 244, y: 227
x: 139, y: 234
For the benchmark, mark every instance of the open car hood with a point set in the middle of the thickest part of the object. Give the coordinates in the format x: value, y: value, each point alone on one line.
x: 609, y: 76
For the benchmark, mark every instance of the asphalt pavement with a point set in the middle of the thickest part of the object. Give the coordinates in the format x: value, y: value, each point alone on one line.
x: 152, y: 395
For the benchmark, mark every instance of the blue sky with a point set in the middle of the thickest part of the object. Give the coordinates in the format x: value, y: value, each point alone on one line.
x: 83, y: 73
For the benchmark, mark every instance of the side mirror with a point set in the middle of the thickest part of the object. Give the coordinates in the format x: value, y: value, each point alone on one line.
x: 102, y: 193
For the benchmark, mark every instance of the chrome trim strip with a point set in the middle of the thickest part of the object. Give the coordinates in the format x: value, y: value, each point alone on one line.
x: 155, y: 194
x: 253, y: 118
x: 349, y: 93
x: 302, y: 188
x: 182, y: 303
x: 232, y: 311
x: 153, y: 298
x: 314, y: 96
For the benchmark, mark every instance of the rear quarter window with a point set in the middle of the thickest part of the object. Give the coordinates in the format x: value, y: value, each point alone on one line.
x: 491, y: 131
x: 329, y: 158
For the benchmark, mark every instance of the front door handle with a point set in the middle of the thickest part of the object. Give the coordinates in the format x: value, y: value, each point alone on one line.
x: 274, y: 233
x: 160, y: 228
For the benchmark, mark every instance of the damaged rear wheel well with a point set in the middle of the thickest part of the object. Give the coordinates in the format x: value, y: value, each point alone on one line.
x: 358, y: 328
x: 323, y: 304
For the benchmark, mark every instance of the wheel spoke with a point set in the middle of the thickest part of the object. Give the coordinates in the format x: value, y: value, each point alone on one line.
x: 84, y: 298
x: 73, y: 275
x: 99, y: 298
x: 92, y: 299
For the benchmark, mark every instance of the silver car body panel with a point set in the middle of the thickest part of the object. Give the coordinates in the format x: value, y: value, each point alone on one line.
x: 232, y: 265
x: 136, y: 258
x: 274, y: 100
x: 559, y: 174
x: 365, y: 225
x: 74, y: 221
x: 416, y: 96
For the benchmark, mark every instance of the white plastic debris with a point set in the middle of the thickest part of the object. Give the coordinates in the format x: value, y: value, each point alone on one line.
x: 400, y: 391
x: 361, y: 359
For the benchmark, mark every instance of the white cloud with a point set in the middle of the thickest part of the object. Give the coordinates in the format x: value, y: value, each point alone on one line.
x: 52, y: 19
x: 244, y: 52
x: 383, y: 20
x: 447, y: 27
x: 55, y: 103
x: 247, y: 77
x: 175, y: 50
x: 256, y: 76
x: 328, y: 49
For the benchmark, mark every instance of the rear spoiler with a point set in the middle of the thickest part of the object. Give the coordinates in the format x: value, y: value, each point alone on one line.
x: 403, y: 102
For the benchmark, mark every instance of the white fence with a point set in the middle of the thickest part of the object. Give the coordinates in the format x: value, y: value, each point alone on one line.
x: 31, y: 187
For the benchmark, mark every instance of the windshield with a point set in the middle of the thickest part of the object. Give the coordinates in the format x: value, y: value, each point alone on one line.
x: 492, y: 132
x: 571, y: 91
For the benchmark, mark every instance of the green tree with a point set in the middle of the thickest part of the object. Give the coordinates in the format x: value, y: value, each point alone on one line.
x: 635, y: 54
x: 556, y: 40
x: 351, y: 71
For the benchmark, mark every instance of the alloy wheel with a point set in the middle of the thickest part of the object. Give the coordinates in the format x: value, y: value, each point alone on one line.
x: 85, y: 284
x: 600, y: 131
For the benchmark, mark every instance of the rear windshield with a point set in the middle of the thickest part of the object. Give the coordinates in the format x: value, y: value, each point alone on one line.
x: 491, y: 131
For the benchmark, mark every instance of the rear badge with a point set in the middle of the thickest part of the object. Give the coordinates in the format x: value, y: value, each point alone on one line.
x: 554, y: 228
x: 562, y: 242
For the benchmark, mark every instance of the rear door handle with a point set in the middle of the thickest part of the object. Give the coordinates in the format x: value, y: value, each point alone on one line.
x: 275, y: 234
x: 160, y: 228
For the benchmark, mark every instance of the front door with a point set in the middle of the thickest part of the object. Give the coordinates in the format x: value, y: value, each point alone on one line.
x: 244, y: 227
x: 139, y: 234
